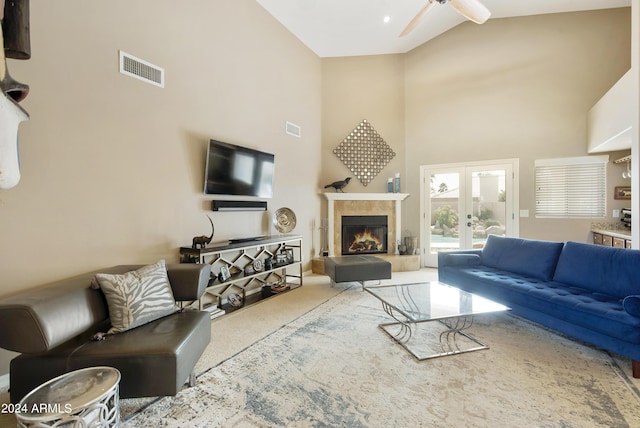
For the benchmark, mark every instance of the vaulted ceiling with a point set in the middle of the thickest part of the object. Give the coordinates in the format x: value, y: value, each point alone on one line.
x: 357, y: 27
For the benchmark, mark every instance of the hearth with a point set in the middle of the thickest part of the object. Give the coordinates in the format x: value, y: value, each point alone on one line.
x: 364, y: 234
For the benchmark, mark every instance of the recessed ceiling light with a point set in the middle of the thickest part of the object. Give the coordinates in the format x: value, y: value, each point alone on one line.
x: 387, y: 19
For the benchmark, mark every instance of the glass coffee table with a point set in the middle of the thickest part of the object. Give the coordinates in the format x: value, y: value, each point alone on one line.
x: 415, y: 306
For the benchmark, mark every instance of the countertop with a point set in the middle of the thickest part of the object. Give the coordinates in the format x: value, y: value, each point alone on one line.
x: 624, y: 234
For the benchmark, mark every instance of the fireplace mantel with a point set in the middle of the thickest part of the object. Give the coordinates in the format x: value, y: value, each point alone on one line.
x: 364, y: 199
x: 338, y: 196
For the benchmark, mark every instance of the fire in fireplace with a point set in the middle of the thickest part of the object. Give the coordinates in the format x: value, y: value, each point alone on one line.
x: 364, y: 234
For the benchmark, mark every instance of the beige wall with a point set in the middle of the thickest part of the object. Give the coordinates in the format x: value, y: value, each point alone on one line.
x: 357, y: 88
x: 112, y: 168
x: 512, y: 88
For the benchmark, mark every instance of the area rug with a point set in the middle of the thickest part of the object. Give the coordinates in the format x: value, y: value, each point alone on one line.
x: 333, y: 367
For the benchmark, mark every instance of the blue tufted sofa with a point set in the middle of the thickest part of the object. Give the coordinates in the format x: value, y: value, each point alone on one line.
x: 589, y: 292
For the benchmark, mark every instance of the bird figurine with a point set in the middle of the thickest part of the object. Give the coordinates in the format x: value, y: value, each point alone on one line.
x: 339, y: 185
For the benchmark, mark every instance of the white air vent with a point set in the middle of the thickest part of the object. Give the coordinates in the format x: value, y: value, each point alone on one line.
x: 293, y: 129
x: 140, y: 69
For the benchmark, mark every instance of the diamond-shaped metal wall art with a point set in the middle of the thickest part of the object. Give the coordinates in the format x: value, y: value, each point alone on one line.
x: 364, y: 152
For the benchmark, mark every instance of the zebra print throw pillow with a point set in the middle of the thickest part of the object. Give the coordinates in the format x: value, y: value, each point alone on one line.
x: 137, y: 297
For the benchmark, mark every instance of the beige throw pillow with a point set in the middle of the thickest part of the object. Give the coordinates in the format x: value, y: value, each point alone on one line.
x: 137, y: 297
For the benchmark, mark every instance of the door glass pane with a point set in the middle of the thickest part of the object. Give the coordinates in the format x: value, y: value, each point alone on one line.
x: 445, y: 196
x: 489, y: 205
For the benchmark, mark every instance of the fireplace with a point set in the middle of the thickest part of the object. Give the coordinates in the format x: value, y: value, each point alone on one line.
x: 364, y: 234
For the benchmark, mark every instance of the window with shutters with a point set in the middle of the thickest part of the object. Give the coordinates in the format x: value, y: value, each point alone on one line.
x: 571, y: 187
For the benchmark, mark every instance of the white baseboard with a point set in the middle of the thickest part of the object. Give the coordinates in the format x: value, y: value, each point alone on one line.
x: 4, y: 382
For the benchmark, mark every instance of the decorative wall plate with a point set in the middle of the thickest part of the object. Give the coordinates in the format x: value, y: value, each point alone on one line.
x: 284, y: 220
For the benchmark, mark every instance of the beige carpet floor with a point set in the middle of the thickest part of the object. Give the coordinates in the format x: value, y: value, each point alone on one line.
x: 315, y: 357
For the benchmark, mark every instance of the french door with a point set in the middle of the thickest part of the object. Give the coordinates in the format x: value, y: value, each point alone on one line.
x: 464, y: 203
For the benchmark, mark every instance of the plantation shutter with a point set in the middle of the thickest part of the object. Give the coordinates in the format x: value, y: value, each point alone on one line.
x: 571, y: 187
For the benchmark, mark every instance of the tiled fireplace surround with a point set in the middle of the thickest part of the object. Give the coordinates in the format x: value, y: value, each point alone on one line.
x: 351, y: 204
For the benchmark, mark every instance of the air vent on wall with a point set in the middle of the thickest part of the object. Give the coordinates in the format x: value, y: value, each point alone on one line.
x: 293, y: 129
x: 140, y: 69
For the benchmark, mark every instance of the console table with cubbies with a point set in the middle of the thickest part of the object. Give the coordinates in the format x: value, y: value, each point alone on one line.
x: 237, y: 257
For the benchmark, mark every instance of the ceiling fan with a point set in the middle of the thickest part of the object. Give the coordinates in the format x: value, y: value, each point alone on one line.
x: 470, y: 9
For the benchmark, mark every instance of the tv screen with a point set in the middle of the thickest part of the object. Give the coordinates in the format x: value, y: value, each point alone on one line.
x: 236, y: 170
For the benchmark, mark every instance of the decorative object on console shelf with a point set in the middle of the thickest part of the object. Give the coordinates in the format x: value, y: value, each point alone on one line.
x: 277, y: 287
x: 257, y: 265
x: 271, y: 288
x: 284, y: 220
x: 235, y: 300
x: 224, y: 274
x: 204, y: 240
x: 239, y: 205
x: 281, y: 259
x: 288, y: 253
x: 339, y: 185
x: 364, y: 152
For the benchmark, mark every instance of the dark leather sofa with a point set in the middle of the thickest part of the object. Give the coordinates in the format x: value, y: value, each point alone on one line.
x: 52, y: 327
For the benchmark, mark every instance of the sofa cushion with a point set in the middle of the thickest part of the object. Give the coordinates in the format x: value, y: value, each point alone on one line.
x: 533, y: 258
x: 154, y: 359
x: 607, y: 270
x: 591, y: 310
x: 137, y: 297
x: 461, y: 259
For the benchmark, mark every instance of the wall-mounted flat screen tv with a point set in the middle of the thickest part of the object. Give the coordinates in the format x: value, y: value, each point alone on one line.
x: 236, y: 170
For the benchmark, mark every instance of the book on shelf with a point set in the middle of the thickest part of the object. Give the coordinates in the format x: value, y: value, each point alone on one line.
x: 214, y: 311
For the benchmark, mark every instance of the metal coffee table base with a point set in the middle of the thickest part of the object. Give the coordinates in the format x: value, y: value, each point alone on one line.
x: 439, y: 339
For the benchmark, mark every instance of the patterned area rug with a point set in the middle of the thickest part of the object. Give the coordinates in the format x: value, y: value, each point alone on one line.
x: 334, y: 367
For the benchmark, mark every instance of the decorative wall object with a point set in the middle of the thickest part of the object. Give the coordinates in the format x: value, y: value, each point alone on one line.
x: 622, y: 192
x: 14, y: 43
x: 364, y: 152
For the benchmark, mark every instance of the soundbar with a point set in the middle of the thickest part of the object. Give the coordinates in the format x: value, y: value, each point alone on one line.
x: 238, y: 205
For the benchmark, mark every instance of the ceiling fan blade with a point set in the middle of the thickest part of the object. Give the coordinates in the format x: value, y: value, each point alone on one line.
x: 416, y: 19
x: 471, y: 9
